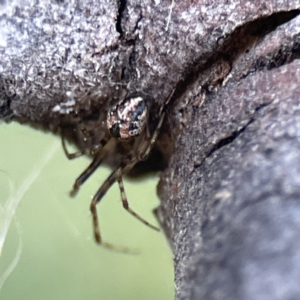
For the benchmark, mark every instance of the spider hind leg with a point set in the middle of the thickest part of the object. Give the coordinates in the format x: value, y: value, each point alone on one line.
x: 126, y: 204
x: 116, y: 175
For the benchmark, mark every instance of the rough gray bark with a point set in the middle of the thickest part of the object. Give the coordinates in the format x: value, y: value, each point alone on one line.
x: 231, y: 192
x: 230, y: 196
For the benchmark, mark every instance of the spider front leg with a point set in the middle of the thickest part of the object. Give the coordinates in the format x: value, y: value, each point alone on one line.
x: 77, y: 154
x: 96, y: 162
x: 67, y: 153
x: 116, y: 175
x: 150, y: 140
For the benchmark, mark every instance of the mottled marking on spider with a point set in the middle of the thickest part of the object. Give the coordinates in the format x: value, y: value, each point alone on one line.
x: 127, y: 122
x: 128, y: 118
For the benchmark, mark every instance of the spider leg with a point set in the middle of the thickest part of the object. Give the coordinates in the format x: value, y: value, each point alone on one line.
x: 67, y: 153
x: 102, y: 152
x: 145, y: 154
x: 97, y: 198
x: 82, y: 152
x: 86, y: 173
x: 126, y: 204
x: 116, y: 175
x: 151, y: 140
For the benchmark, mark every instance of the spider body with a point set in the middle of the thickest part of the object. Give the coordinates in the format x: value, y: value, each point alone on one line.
x: 128, y: 118
x: 126, y: 121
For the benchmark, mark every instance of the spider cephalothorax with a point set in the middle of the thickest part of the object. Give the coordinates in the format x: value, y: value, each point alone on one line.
x: 125, y: 121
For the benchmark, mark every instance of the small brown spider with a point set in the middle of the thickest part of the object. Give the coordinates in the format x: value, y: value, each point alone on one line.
x: 126, y: 121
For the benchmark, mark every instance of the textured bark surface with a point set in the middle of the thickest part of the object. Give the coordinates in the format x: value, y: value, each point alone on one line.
x: 230, y: 196
x: 231, y: 193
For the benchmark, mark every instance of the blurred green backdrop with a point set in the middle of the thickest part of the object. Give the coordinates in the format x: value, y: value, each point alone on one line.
x: 59, y: 258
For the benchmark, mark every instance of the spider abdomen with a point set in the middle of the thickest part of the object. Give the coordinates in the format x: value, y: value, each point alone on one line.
x: 128, y: 118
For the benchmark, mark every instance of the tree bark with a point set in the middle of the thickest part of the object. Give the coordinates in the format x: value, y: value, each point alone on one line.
x: 230, y: 195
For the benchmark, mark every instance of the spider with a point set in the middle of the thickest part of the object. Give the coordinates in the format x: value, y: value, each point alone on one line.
x: 127, y: 121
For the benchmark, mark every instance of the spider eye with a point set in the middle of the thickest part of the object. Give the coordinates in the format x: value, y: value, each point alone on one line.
x: 128, y: 118
x: 115, y: 130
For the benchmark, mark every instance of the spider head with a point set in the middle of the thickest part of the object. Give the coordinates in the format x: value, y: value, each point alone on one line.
x: 128, y: 118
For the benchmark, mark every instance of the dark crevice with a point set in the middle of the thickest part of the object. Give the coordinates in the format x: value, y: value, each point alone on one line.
x: 137, y: 23
x: 282, y: 56
x: 249, y: 35
x: 235, y: 134
x: 121, y: 9
x: 156, y: 162
x: 225, y: 141
x: 235, y: 45
x: 6, y: 113
x: 129, y: 72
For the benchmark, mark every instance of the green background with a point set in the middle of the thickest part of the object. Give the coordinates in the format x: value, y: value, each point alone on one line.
x: 59, y: 258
